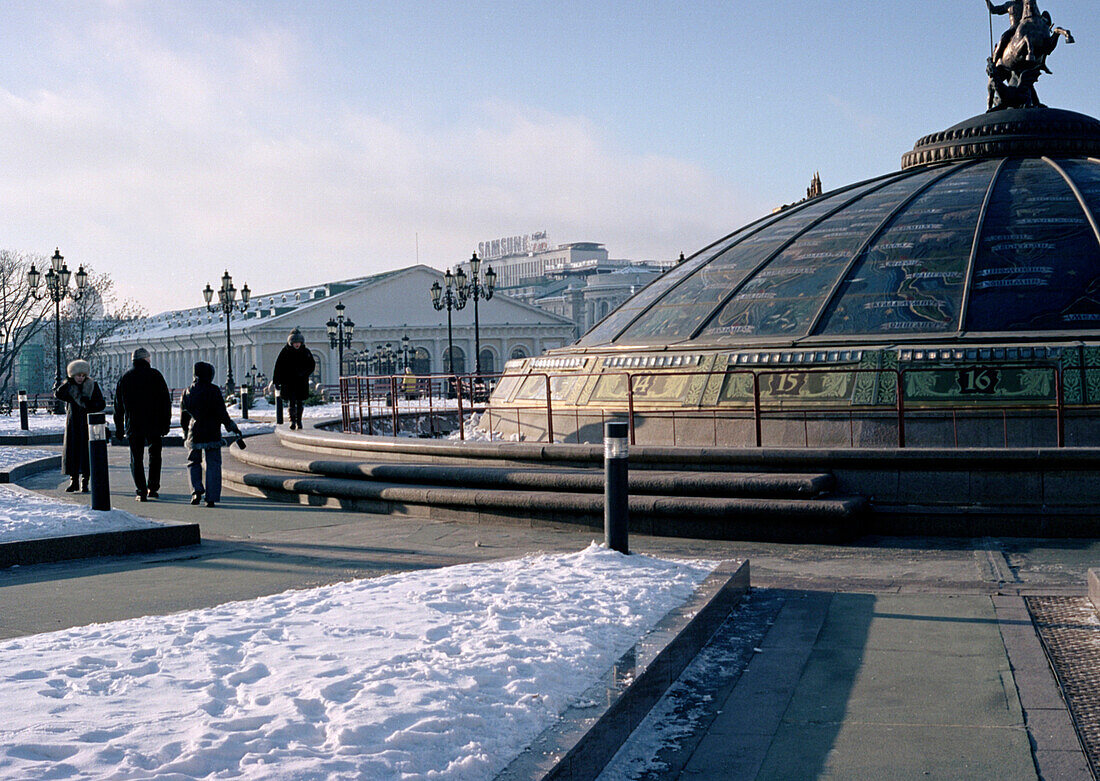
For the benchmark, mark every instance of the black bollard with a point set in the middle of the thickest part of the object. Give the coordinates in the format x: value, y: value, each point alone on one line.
x: 244, y: 402
x: 97, y: 461
x: 24, y: 424
x: 616, y: 513
x: 278, y: 408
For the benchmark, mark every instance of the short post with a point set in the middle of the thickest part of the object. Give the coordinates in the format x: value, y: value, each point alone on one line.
x: 244, y: 401
x: 616, y: 515
x: 24, y: 424
x: 278, y: 408
x: 97, y: 461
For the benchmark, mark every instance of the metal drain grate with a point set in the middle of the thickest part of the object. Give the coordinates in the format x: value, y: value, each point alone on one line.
x: 1070, y: 631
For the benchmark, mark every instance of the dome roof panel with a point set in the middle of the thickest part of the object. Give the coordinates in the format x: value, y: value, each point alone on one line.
x: 911, y: 277
x: 677, y: 315
x: 1038, y: 260
x: 784, y: 295
x: 991, y: 227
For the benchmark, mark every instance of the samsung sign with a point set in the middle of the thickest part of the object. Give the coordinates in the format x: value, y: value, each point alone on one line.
x: 513, y: 245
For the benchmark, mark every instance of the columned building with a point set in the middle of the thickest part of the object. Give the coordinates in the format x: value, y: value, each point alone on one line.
x: 385, y: 308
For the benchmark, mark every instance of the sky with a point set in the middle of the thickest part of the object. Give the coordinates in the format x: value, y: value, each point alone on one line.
x: 294, y: 143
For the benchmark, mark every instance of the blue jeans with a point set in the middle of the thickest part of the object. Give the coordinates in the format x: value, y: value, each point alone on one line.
x: 213, y: 489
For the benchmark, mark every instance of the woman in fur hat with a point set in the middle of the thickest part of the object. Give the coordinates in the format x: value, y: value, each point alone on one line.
x: 81, y: 395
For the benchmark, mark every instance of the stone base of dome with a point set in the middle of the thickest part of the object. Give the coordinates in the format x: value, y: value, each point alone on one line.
x: 1030, y: 132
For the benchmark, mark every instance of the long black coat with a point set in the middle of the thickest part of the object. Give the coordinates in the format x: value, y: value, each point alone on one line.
x: 143, y: 403
x: 203, y: 413
x: 292, y: 370
x: 74, y: 459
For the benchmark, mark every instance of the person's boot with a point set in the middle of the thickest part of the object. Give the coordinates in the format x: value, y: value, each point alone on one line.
x: 84, y: 485
x: 196, y: 497
x: 73, y: 486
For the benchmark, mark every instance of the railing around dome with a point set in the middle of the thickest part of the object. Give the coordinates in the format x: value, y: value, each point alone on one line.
x: 368, y: 403
x: 380, y: 403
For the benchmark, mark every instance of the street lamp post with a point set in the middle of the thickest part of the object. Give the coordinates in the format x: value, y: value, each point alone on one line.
x: 57, y: 290
x: 405, y: 350
x: 340, y: 331
x: 451, y: 296
x: 484, y: 290
x: 384, y: 359
x: 227, y: 303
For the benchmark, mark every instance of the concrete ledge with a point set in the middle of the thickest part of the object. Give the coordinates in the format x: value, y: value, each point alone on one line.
x: 30, y: 468
x: 833, y: 519
x: 32, y: 439
x: 580, y: 744
x: 1094, y: 587
x: 119, y: 543
x: 743, y: 484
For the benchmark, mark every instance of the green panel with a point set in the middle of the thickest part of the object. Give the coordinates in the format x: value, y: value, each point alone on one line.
x: 980, y: 384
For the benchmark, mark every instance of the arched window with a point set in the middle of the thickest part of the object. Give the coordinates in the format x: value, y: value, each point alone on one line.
x: 488, y: 362
x: 456, y: 363
x: 420, y: 361
x: 518, y: 353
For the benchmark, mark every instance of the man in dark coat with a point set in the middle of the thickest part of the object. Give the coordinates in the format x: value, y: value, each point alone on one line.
x: 81, y: 395
x: 143, y: 414
x: 293, y: 368
x: 202, y: 415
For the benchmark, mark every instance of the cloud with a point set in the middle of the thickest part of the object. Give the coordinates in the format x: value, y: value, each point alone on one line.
x: 170, y: 162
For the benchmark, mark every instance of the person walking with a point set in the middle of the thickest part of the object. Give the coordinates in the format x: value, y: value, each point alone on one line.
x: 143, y: 414
x: 293, y: 368
x: 81, y: 395
x: 202, y: 415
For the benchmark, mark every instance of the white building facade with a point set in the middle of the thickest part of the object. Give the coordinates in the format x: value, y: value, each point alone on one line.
x: 385, y: 308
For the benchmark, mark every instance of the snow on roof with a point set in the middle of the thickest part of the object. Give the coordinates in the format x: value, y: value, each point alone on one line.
x: 197, y: 320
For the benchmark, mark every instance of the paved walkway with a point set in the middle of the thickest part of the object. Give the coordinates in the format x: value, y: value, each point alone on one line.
x: 894, y: 658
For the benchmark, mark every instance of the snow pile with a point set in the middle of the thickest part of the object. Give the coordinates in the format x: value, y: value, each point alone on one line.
x: 471, y: 432
x: 11, y: 457
x: 25, y: 515
x: 444, y: 673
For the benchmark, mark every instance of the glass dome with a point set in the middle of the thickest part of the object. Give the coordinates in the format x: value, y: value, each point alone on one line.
x: 989, y: 229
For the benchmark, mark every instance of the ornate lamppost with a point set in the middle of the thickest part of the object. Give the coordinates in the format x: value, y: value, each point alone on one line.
x: 452, y: 295
x: 405, y: 350
x: 340, y: 331
x: 57, y: 290
x: 384, y: 359
x: 478, y: 289
x: 227, y: 303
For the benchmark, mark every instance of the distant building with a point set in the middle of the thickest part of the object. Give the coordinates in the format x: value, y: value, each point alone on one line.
x: 384, y: 307
x: 578, y: 281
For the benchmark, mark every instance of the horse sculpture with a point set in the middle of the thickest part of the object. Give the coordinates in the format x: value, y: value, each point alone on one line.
x: 1021, y: 58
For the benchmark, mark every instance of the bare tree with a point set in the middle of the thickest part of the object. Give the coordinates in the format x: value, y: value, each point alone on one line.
x: 21, y: 317
x: 90, y: 320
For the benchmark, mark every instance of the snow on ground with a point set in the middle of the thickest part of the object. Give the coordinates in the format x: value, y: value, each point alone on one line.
x: 11, y: 457
x: 41, y: 423
x: 445, y: 674
x: 25, y: 515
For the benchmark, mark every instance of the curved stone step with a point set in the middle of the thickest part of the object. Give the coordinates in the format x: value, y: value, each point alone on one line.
x: 836, y: 518
x: 590, y: 480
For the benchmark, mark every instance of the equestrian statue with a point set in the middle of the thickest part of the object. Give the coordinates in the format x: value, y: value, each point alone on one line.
x: 1021, y: 55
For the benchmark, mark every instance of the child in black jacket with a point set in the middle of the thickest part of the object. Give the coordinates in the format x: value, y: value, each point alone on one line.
x: 202, y: 415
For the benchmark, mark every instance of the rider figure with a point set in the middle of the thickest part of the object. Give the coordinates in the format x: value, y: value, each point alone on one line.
x: 1015, y: 11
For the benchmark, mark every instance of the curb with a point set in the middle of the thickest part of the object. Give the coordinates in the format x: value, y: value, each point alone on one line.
x: 80, y: 546
x: 30, y: 468
x: 32, y: 439
x: 580, y: 744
